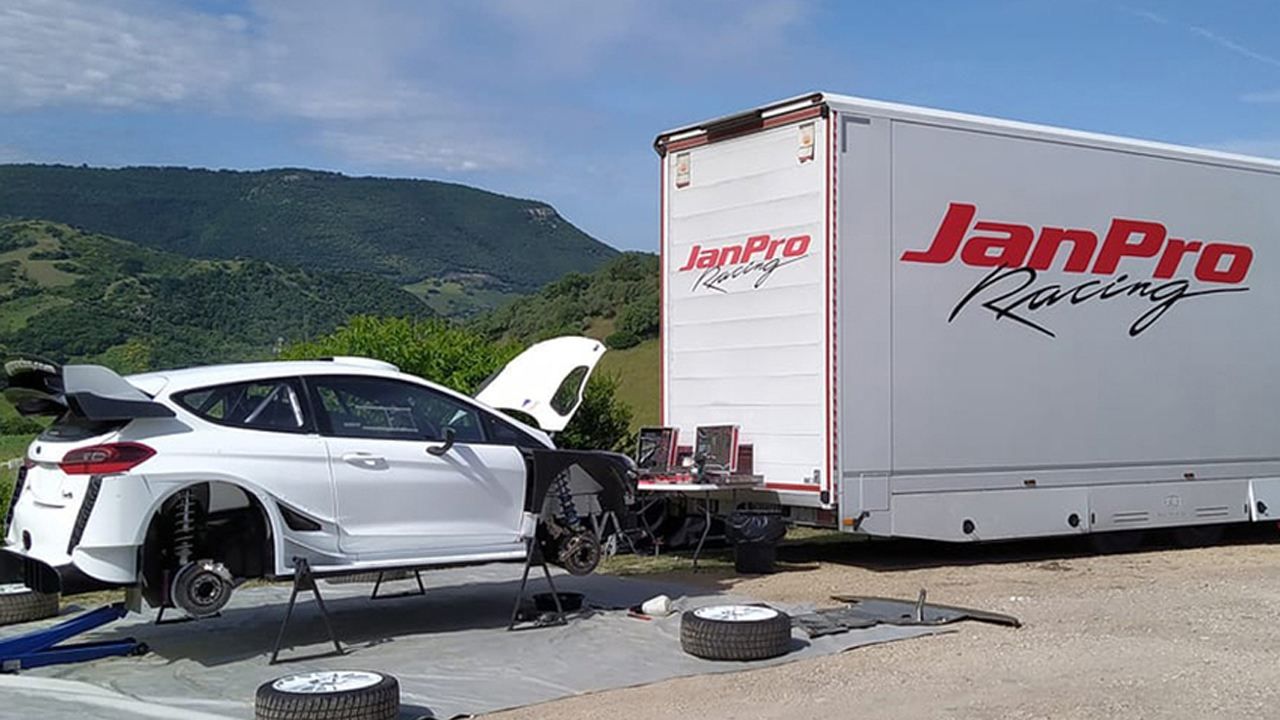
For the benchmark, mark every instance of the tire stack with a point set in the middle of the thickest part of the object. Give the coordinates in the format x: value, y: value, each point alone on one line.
x: 19, y: 604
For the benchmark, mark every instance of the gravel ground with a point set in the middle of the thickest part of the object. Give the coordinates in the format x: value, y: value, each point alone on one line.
x: 1162, y: 633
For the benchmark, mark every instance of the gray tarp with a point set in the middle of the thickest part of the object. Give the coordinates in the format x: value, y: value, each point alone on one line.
x: 449, y: 649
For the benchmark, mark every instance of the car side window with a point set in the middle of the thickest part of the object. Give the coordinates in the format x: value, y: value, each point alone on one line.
x: 370, y: 407
x: 504, y: 433
x: 274, y: 405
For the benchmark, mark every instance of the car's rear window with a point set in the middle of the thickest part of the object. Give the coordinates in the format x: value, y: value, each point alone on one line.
x: 72, y: 428
x: 258, y: 404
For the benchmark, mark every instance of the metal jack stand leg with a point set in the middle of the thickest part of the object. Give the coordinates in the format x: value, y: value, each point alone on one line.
x: 40, y: 647
x: 417, y: 574
x: 303, y: 580
x: 706, y: 530
x: 534, y: 555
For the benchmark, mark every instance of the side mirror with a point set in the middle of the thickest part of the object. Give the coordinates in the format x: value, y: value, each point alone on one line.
x: 439, y: 450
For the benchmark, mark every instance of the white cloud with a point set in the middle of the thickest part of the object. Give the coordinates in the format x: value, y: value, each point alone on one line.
x: 1235, y: 47
x: 408, y: 146
x: 56, y: 52
x: 414, y: 86
x: 1206, y: 34
x: 1266, y: 96
x: 1147, y: 15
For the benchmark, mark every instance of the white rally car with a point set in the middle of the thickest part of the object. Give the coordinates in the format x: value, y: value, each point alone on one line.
x: 185, y: 483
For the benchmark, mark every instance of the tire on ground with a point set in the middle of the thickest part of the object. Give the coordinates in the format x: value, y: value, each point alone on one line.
x: 329, y: 695
x: 735, y: 632
x: 19, y: 604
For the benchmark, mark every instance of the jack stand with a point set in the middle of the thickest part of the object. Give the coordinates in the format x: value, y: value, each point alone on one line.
x: 417, y: 574
x: 40, y: 647
x: 304, y: 580
x: 602, y: 526
x: 534, y: 555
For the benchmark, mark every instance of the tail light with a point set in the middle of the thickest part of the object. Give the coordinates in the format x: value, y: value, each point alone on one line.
x: 105, y: 459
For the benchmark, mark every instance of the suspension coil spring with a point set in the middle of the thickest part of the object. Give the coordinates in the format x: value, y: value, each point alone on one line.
x: 184, y: 527
x: 567, y: 508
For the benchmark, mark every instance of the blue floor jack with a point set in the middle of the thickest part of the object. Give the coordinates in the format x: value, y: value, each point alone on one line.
x: 40, y: 647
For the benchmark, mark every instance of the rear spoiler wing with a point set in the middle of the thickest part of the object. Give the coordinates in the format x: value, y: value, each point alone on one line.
x: 35, y: 386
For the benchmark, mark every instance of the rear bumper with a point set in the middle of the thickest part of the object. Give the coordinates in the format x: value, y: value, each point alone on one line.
x: 42, y: 577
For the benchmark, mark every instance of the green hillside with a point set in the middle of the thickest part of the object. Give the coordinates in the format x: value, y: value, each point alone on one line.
x: 637, y: 371
x: 617, y: 303
x: 403, y: 230
x: 620, y: 300
x: 69, y: 294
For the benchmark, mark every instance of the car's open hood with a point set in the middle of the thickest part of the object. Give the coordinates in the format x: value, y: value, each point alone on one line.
x: 546, y: 381
x: 38, y: 387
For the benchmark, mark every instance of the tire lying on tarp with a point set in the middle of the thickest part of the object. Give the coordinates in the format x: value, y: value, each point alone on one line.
x: 19, y: 603
x: 735, y: 632
x: 329, y: 695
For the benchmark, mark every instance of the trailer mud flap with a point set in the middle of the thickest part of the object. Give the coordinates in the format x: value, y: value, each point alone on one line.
x: 1264, y: 499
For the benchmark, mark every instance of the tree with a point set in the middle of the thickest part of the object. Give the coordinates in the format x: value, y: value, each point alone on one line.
x: 432, y: 349
x: 461, y: 359
x: 603, y: 422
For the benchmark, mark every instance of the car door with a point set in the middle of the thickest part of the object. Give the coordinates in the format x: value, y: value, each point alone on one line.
x: 397, y: 500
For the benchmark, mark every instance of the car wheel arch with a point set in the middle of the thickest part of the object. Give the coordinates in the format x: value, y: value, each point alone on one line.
x: 152, y: 561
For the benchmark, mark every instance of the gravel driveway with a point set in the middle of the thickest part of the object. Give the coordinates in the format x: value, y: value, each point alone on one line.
x: 1164, y: 633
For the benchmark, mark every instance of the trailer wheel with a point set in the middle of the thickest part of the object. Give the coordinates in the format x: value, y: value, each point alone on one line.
x: 19, y: 603
x: 329, y: 695
x: 735, y: 632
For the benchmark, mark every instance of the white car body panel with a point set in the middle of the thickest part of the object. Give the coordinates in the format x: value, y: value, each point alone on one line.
x: 368, y: 503
x: 468, y: 499
x: 530, y: 381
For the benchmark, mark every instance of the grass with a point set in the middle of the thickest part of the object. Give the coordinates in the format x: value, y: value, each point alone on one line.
x: 719, y: 560
x: 600, y: 328
x: 14, y: 314
x: 11, y: 446
x: 41, y: 271
x: 637, y: 371
x: 44, y: 273
x: 7, y: 477
x: 459, y: 297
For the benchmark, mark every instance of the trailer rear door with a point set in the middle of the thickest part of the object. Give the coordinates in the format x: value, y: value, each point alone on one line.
x: 746, y: 289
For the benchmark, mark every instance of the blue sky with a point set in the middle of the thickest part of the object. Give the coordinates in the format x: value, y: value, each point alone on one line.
x: 560, y: 99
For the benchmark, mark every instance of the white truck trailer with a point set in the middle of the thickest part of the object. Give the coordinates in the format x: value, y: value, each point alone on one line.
x: 942, y: 326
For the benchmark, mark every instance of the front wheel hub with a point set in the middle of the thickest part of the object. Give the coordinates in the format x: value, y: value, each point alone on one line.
x: 201, y: 588
x: 580, y: 554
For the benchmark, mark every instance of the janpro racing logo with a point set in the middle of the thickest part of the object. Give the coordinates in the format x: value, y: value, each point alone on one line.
x: 1018, y: 253
x: 756, y: 259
